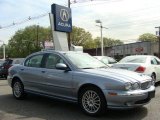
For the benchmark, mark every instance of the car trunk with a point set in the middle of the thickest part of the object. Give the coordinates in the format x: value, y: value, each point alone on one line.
x: 137, y: 67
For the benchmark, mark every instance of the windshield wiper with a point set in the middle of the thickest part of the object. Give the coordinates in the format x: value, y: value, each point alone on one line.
x: 103, y: 67
x: 88, y: 68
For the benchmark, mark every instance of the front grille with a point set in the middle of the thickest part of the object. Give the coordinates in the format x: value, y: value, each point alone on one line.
x: 145, y: 85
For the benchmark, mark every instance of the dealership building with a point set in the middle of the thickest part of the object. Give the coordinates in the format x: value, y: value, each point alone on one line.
x: 119, y: 51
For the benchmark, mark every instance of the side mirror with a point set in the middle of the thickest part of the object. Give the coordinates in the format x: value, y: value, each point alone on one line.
x: 61, y: 66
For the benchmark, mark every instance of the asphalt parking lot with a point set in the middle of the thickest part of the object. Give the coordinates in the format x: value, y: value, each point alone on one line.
x: 40, y: 108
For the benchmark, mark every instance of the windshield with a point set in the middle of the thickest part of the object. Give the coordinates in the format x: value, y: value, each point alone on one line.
x: 84, y: 60
x: 108, y: 60
x: 134, y: 59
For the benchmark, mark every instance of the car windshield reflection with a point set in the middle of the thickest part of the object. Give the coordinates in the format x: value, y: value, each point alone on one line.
x: 84, y: 61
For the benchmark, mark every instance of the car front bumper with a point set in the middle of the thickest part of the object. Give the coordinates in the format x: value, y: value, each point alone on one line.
x: 128, y: 99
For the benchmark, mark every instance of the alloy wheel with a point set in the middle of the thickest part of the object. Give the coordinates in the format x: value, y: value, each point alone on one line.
x: 91, y: 101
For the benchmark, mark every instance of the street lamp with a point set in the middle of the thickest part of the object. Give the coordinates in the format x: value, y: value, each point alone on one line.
x: 101, y: 27
x: 4, y: 50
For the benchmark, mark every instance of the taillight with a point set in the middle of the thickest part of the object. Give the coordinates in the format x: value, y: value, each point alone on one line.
x: 140, y: 69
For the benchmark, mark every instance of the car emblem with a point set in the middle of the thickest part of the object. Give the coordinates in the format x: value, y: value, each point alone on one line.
x: 64, y: 15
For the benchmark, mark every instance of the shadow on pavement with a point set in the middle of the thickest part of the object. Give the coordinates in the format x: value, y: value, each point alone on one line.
x: 49, y: 109
x: 157, y: 84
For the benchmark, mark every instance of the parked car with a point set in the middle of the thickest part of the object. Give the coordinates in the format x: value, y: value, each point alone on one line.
x: 106, y: 60
x: 1, y: 67
x: 145, y: 64
x: 79, y: 77
x: 6, y: 64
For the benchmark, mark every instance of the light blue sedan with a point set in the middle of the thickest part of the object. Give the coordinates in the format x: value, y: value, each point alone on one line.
x: 78, y: 77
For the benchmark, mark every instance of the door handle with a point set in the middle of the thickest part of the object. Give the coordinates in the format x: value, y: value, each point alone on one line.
x: 22, y: 69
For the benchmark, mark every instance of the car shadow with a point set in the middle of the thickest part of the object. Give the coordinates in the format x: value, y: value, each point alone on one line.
x: 49, y: 109
x: 157, y: 84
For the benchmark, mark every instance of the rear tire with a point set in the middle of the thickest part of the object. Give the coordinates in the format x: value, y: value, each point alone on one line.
x: 92, y: 101
x: 153, y: 76
x: 18, y: 90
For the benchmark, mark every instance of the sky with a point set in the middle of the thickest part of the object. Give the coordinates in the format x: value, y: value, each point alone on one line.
x: 125, y: 19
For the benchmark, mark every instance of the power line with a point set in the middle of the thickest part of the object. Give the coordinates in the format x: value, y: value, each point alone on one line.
x: 72, y: 2
x: 42, y: 15
x: 25, y: 20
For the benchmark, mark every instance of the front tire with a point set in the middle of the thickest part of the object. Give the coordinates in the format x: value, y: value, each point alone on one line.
x: 18, y: 90
x: 92, y: 101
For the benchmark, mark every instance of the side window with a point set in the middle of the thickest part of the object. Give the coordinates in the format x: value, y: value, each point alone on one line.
x: 52, y: 60
x: 158, y: 62
x: 34, y: 61
x: 154, y: 61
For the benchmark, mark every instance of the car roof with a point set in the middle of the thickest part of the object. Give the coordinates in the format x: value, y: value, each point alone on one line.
x: 54, y: 51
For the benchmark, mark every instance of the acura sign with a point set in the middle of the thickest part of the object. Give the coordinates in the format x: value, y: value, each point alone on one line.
x: 62, y: 18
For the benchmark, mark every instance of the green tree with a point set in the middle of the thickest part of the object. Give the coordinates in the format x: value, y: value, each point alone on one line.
x: 147, y: 37
x: 80, y: 37
x: 108, y: 42
x: 26, y: 41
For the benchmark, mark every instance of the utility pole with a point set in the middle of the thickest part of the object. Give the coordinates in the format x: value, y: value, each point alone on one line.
x: 69, y: 37
x: 4, y: 50
x: 37, y: 36
x: 158, y: 40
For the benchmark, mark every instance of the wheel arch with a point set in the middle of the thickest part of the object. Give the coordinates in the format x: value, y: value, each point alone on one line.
x: 14, y: 79
x: 155, y: 75
x: 87, y: 85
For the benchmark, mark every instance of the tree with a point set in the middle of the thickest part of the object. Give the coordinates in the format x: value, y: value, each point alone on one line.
x: 27, y: 40
x: 108, y: 42
x: 148, y: 37
x: 80, y: 37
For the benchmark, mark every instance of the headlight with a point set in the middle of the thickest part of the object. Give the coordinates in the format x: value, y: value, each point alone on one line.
x: 128, y: 86
x: 135, y: 86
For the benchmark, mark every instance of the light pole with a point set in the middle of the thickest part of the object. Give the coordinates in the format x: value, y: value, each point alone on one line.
x: 4, y: 50
x: 101, y: 27
x: 159, y: 40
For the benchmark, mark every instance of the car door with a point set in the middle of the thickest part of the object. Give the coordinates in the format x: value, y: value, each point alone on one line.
x: 31, y: 73
x: 58, y: 82
x: 156, y: 65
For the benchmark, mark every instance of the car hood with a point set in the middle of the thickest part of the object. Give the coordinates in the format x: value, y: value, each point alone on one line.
x: 118, y: 74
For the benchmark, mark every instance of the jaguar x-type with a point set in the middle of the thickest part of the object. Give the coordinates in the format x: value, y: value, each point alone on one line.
x: 79, y: 77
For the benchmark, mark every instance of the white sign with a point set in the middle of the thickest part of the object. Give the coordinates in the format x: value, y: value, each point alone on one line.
x: 48, y: 44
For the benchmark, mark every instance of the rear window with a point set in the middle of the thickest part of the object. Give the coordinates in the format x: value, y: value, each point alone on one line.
x: 133, y: 59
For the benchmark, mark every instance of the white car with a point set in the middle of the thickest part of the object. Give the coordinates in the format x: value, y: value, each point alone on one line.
x: 106, y: 60
x: 145, y: 64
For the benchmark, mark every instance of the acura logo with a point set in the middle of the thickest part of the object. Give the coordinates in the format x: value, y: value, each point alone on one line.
x: 64, y: 15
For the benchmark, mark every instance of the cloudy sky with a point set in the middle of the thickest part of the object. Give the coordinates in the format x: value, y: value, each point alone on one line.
x: 126, y: 19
